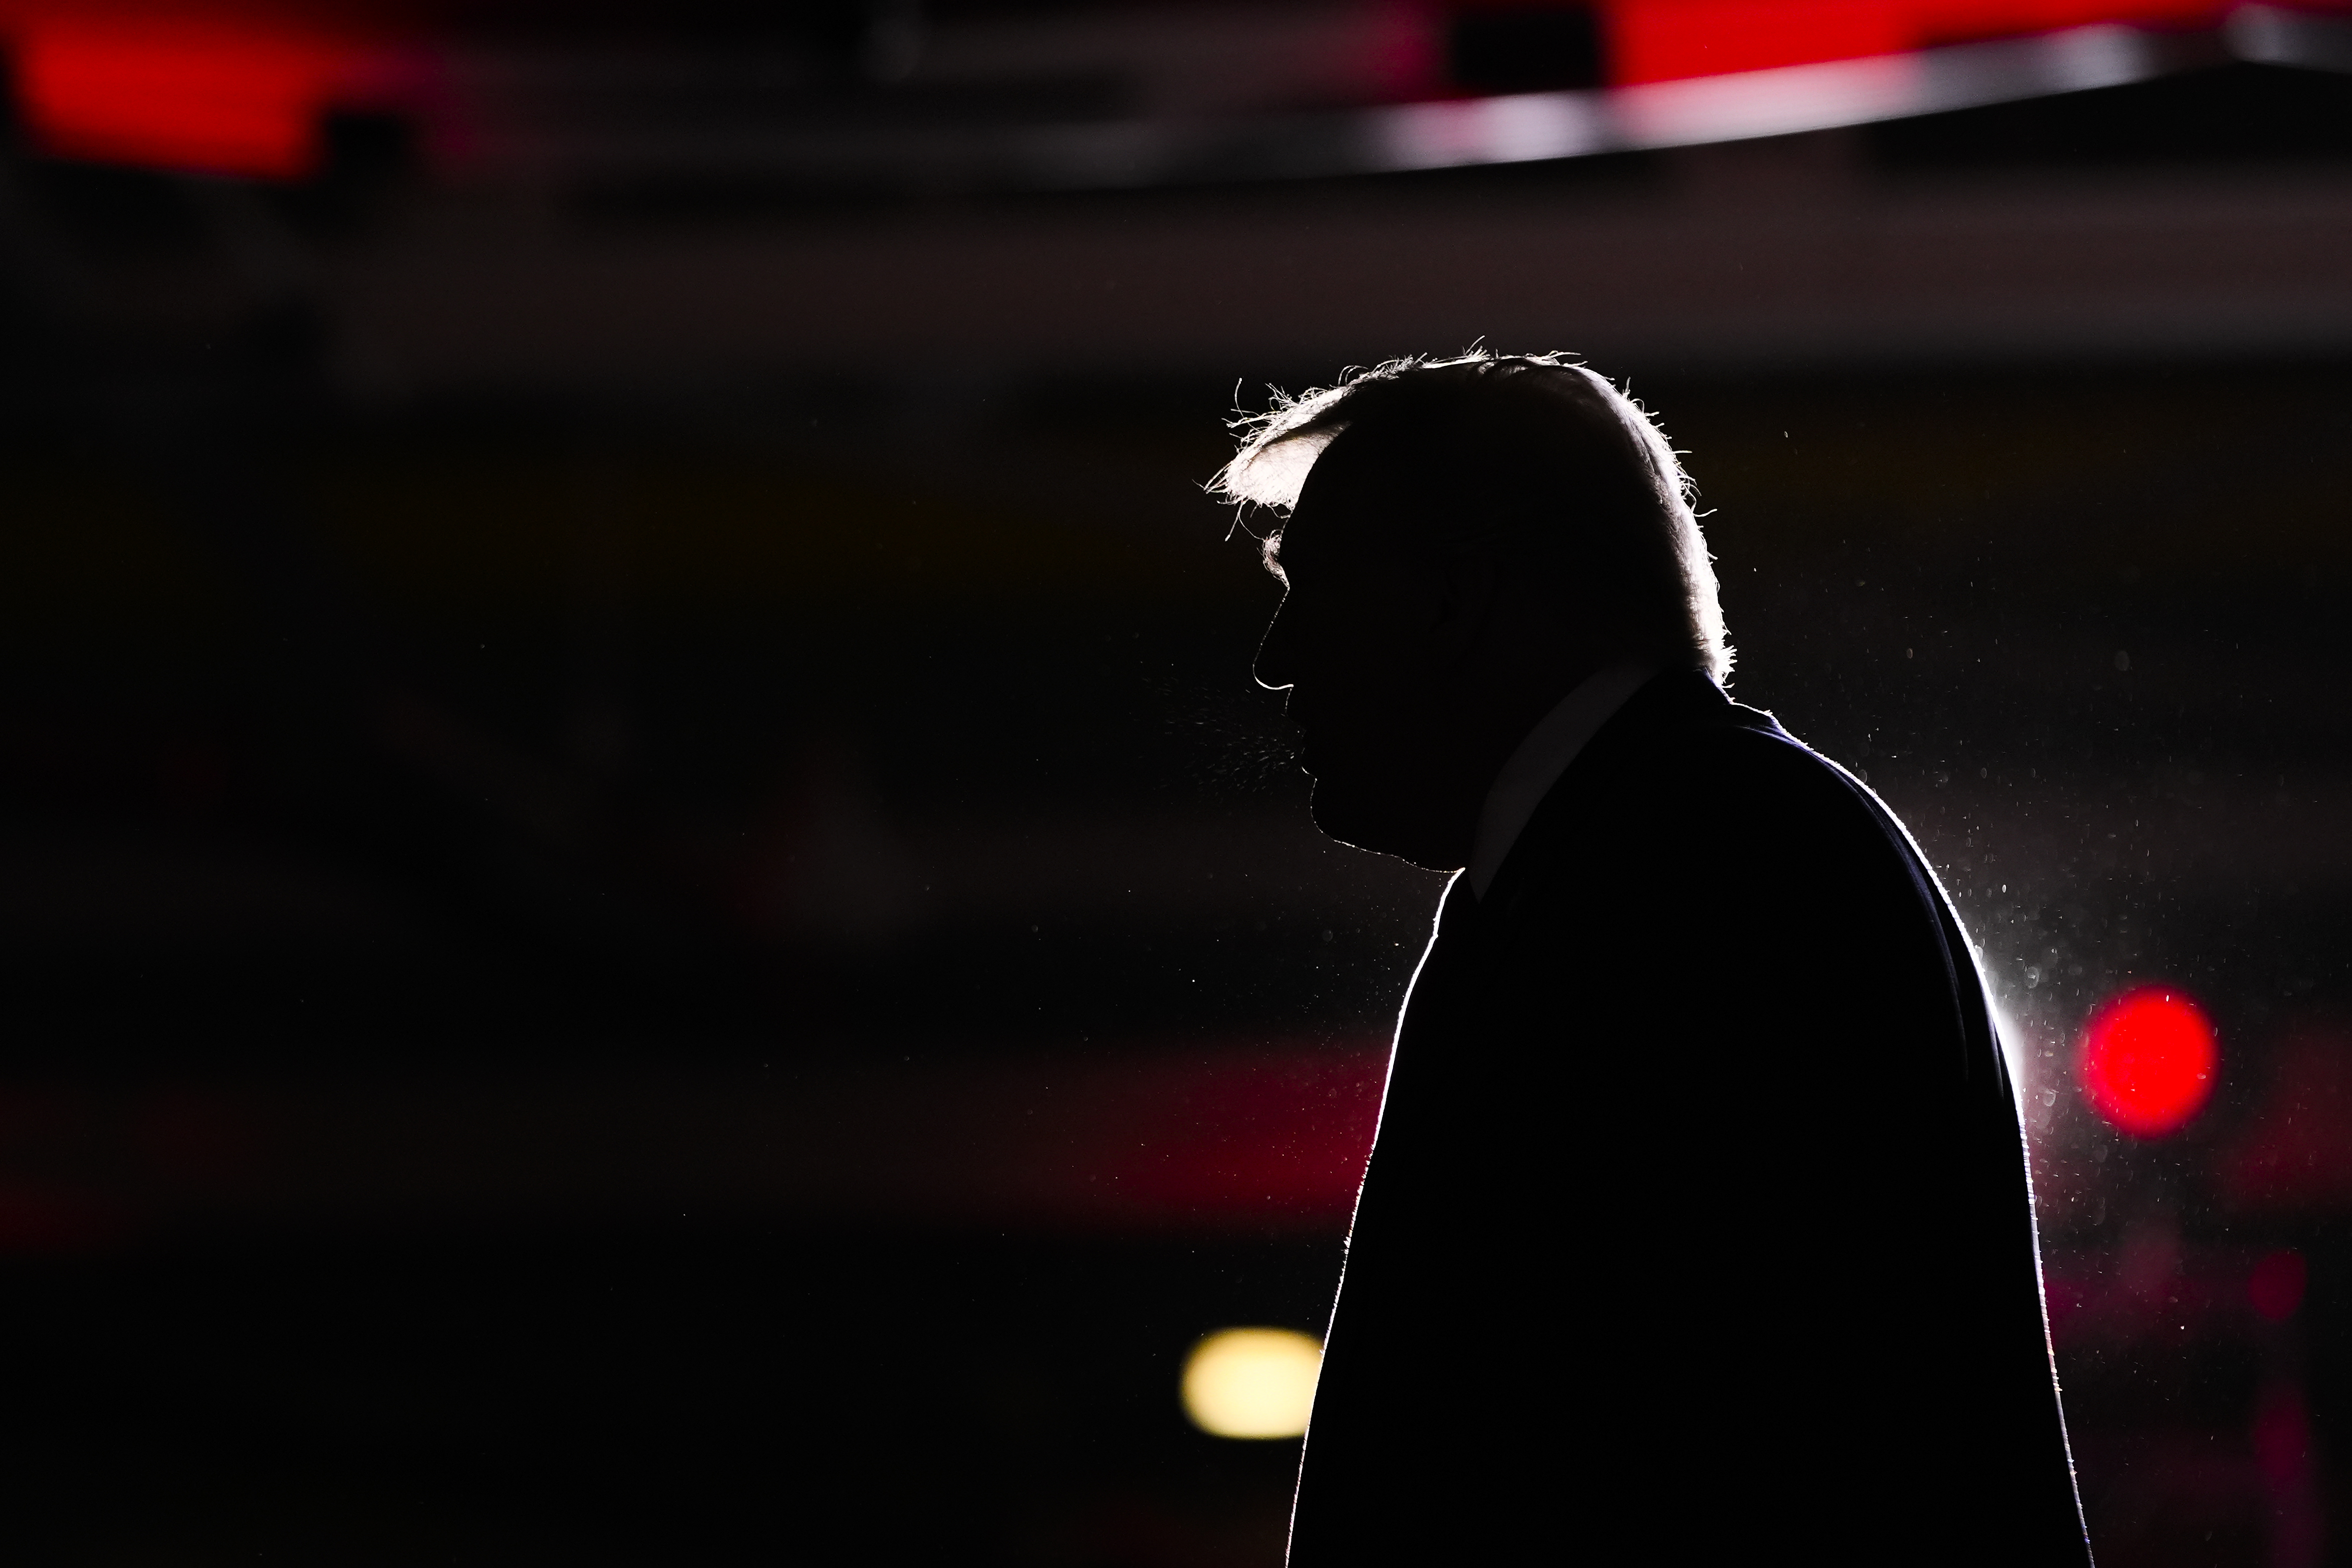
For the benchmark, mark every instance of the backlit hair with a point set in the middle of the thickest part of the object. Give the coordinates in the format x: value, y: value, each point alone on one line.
x: 1531, y: 453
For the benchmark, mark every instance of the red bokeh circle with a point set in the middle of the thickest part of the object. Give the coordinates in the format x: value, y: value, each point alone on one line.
x: 2148, y: 1060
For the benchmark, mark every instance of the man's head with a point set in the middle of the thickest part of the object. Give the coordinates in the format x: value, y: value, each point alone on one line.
x: 1465, y: 540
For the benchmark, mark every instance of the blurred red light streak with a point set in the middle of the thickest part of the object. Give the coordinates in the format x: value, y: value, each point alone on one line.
x: 1259, y: 1140
x: 198, y: 100
x: 210, y: 92
x: 1664, y: 40
x: 239, y: 87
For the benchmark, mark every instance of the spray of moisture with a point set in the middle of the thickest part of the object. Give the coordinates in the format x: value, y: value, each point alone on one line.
x: 1238, y: 742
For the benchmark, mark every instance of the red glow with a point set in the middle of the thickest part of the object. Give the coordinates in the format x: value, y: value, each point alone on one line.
x: 1660, y: 40
x: 2293, y: 1152
x: 217, y: 96
x: 2275, y: 1288
x: 2149, y: 1061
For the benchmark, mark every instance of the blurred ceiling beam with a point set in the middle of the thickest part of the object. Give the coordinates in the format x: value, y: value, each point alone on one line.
x: 1778, y: 252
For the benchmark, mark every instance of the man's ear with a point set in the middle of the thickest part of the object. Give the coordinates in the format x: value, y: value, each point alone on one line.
x: 1467, y: 586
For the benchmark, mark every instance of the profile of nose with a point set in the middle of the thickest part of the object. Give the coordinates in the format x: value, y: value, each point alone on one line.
x: 1272, y: 666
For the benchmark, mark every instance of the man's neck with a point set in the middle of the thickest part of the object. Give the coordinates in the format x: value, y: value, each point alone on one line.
x: 1542, y: 756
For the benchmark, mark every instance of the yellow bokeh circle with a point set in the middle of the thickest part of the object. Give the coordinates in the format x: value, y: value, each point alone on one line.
x: 1253, y: 1382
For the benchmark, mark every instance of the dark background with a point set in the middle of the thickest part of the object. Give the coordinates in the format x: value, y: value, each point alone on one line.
x: 646, y: 913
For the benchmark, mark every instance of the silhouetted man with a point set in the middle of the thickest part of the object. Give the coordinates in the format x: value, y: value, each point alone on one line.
x: 1698, y: 1229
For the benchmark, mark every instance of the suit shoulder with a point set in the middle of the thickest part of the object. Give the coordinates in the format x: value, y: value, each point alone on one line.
x: 1754, y: 782
x: 1712, y: 795
x: 1757, y: 753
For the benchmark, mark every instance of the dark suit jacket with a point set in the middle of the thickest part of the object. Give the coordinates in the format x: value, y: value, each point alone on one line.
x: 1698, y: 1230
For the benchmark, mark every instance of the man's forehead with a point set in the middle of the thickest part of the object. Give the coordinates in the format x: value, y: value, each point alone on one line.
x: 1281, y: 546
x: 1340, y: 518
x: 1298, y: 542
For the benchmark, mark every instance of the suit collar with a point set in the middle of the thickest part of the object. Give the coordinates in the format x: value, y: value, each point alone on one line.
x: 1541, y: 758
x: 1676, y: 699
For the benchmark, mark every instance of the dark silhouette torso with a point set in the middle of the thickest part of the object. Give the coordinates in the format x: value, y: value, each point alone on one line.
x: 1698, y: 1225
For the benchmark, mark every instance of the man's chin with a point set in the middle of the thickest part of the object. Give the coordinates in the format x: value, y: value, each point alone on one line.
x: 1379, y: 826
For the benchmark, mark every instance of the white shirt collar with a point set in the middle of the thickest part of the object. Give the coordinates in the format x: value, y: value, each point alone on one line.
x: 1541, y: 758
